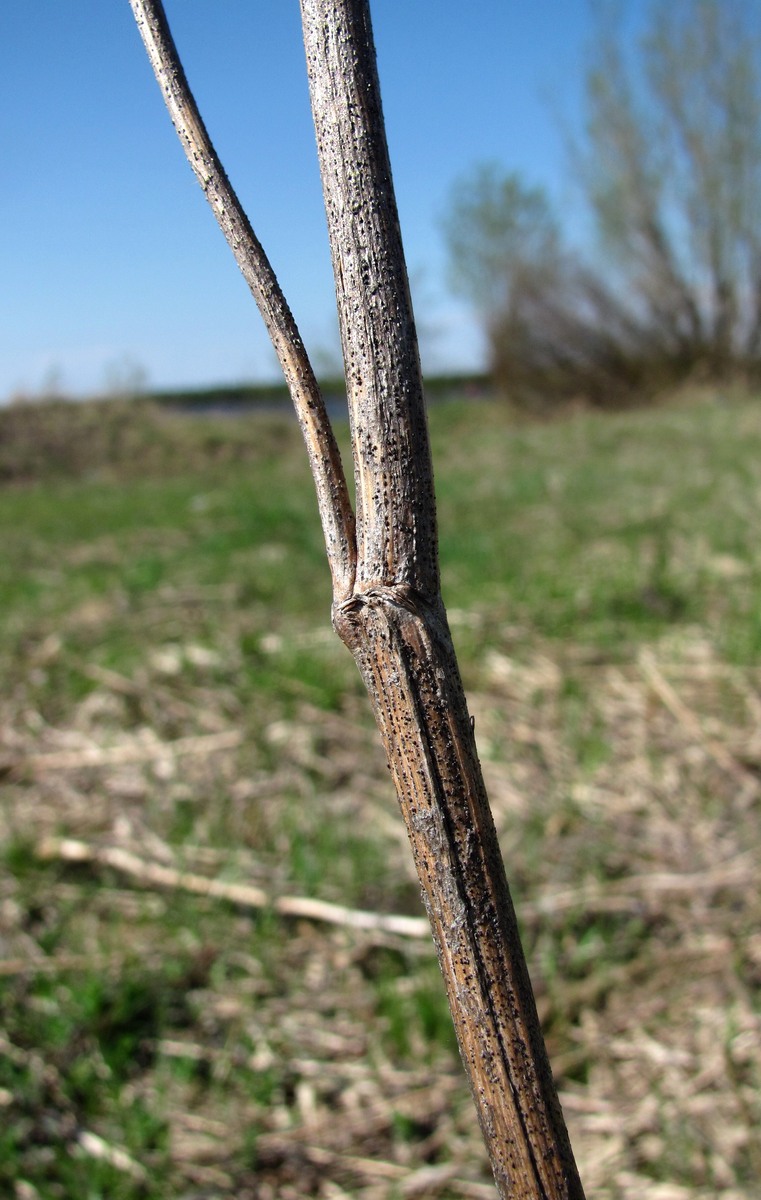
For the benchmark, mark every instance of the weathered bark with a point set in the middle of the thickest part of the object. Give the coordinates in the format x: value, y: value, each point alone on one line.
x: 333, y: 501
x: 396, y: 509
x: 403, y: 647
x: 395, y: 626
x: 388, y: 608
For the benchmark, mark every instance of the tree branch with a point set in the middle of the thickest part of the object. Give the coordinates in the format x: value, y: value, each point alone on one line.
x: 393, y: 619
x: 153, y: 874
x: 333, y: 500
x: 390, y: 438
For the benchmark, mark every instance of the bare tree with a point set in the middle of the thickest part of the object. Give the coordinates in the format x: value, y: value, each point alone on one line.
x: 672, y: 169
x: 555, y: 330
x: 387, y: 604
x: 670, y: 166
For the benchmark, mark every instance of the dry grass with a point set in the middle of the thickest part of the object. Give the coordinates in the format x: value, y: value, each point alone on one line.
x: 637, y: 886
x: 286, y: 1056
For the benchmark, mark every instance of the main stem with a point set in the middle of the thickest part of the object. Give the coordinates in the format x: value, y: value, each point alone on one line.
x: 395, y: 626
x: 387, y: 604
x: 404, y: 651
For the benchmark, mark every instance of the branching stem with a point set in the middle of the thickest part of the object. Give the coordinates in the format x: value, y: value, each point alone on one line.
x: 335, y: 509
x: 387, y: 603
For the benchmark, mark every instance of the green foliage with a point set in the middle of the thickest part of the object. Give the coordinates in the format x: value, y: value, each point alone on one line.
x: 413, y: 1012
x: 74, y: 1046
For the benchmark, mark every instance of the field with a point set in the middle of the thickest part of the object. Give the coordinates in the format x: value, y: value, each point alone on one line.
x: 194, y: 808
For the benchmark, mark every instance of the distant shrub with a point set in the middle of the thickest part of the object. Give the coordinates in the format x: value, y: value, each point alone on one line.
x: 126, y: 439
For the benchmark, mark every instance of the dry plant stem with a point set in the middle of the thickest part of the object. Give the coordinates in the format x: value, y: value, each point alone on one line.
x: 336, y: 513
x: 387, y: 604
x: 153, y: 874
x: 396, y: 627
x: 396, y: 509
x: 404, y: 651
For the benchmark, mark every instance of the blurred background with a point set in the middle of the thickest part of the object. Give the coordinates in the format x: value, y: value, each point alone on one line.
x: 215, y: 975
x: 113, y: 268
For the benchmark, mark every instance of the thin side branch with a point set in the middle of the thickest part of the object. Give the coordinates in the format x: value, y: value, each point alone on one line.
x: 243, y: 895
x: 333, y: 500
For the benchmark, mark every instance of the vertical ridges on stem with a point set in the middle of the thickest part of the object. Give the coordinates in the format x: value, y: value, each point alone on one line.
x: 387, y: 606
x: 404, y: 652
x: 396, y: 510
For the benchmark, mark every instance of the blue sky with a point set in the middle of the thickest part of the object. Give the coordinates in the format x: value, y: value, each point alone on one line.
x: 112, y: 264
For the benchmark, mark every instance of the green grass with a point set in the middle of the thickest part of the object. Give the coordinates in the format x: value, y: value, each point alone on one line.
x: 168, y: 585
x: 606, y: 530
x: 77, y: 1045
